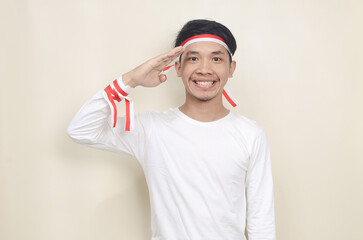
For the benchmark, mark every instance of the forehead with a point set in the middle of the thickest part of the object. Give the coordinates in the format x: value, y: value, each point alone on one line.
x: 205, y: 48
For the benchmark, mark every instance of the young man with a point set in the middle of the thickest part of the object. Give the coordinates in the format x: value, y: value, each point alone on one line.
x: 208, y: 169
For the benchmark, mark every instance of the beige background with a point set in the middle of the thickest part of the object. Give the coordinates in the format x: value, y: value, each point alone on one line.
x: 299, y: 75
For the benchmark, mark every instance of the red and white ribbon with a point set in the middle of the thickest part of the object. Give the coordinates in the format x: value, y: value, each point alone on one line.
x: 115, y: 92
x: 207, y: 38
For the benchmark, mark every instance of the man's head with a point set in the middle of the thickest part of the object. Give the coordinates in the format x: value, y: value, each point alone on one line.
x: 202, y: 26
x: 206, y: 63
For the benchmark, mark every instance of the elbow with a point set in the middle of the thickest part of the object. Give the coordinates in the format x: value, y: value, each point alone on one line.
x: 81, y: 135
x: 75, y: 133
x: 72, y: 133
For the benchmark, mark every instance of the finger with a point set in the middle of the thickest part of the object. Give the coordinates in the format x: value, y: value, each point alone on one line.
x: 175, y: 52
x: 162, y: 77
x: 171, y: 55
x: 163, y: 60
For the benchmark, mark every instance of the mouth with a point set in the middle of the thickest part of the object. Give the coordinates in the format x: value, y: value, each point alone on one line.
x: 204, y: 83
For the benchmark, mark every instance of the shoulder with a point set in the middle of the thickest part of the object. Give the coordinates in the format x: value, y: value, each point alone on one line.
x: 245, y: 124
x: 153, y: 116
x: 249, y: 130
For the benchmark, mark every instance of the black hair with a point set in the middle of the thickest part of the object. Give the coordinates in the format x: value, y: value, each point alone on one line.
x: 203, y: 26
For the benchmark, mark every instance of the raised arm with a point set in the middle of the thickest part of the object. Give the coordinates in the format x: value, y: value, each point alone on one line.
x: 94, y: 124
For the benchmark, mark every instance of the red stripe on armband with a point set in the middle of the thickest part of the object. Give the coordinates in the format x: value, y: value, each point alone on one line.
x: 112, y: 97
x: 128, y: 120
x: 118, y: 88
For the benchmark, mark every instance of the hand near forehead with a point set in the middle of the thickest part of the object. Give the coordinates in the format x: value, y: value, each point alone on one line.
x: 149, y: 74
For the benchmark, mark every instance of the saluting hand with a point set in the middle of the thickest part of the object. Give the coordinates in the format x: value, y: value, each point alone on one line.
x: 149, y: 74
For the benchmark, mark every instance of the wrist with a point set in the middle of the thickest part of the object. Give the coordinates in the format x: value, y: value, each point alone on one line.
x: 127, y: 80
x: 124, y: 87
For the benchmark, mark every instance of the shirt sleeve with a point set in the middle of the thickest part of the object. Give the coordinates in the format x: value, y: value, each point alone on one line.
x: 259, y: 192
x: 93, y: 125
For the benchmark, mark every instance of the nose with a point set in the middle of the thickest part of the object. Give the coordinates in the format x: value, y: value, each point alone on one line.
x: 204, y: 67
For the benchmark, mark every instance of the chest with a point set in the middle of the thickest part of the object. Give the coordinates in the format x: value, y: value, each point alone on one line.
x: 206, y: 152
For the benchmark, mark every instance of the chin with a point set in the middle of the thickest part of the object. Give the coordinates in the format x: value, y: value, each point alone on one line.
x: 203, y: 98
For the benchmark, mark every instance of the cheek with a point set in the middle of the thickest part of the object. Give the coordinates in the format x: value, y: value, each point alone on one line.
x: 223, y: 72
x: 185, y: 71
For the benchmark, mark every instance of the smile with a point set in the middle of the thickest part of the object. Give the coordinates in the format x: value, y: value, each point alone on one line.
x: 204, y: 84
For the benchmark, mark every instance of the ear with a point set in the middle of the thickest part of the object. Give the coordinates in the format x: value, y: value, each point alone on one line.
x: 177, y: 66
x: 232, y: 67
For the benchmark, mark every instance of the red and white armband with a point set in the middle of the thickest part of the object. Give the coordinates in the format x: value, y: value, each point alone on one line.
x: 117, y: 91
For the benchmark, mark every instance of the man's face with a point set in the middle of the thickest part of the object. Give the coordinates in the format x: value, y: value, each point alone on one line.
x: 205, y: 68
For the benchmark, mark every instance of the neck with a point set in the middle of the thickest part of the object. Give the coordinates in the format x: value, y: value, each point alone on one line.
x: 204, y: 111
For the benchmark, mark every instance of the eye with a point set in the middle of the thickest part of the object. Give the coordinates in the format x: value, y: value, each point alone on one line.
x: 216, y: 59
x: 193, y: 59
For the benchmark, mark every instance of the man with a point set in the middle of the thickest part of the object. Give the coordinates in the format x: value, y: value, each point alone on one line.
x: 208, y: 169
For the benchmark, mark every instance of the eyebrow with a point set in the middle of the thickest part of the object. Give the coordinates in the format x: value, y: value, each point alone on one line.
x: 217, y: 52
x: 191, y: 53
x: 196, y: 52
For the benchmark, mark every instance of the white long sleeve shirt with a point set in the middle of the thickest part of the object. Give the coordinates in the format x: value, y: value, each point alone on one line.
x: 206, y: 180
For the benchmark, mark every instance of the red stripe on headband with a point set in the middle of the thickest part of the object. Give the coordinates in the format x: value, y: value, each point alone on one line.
x: 203, y: 36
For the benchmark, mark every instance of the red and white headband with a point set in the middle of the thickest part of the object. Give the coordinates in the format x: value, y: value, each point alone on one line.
x: 206, y: 38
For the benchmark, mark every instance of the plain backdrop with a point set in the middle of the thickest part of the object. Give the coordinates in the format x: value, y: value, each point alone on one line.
x: 299, y: 75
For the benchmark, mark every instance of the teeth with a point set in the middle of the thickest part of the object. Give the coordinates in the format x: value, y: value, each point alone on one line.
x: 204, y: 83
